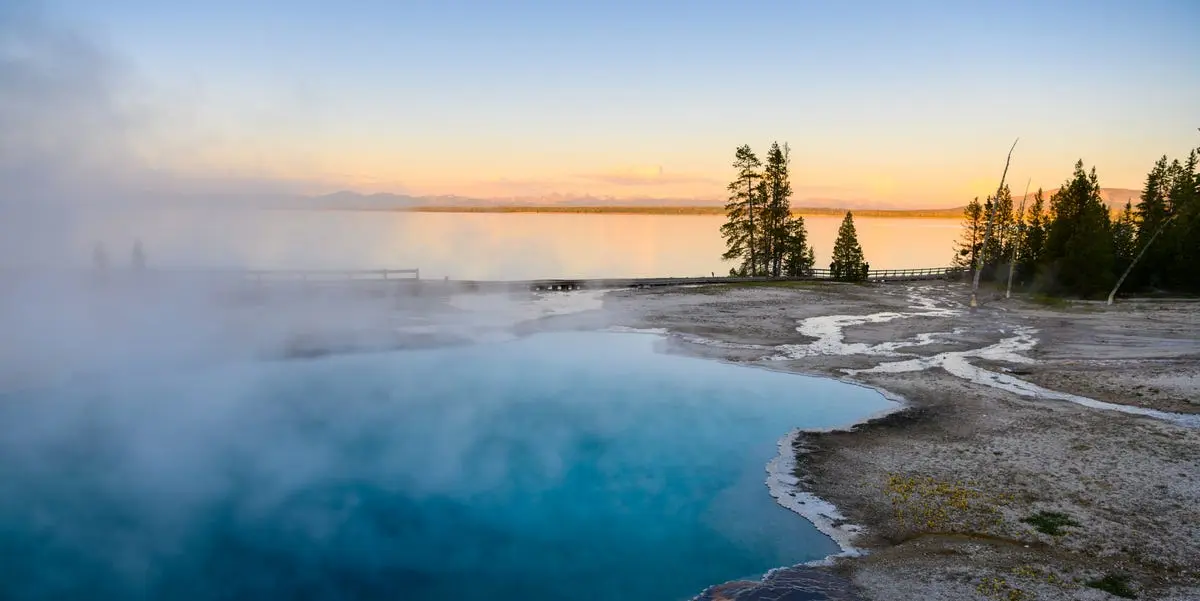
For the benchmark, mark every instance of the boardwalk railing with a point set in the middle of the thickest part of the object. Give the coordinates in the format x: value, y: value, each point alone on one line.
x: 875, y: 275
x: 928, y: 273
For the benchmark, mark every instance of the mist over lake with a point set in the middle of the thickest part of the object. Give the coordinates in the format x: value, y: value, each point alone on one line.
x: 477, y: 246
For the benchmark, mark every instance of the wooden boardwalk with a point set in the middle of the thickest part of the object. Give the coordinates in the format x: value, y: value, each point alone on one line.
x: 882, y: 275
x: 564, y: 284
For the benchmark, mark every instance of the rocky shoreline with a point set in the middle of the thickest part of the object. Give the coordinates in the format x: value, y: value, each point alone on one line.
x: 978, y: 490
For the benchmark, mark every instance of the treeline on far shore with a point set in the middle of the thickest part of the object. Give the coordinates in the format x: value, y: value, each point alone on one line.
x: 952, y: 213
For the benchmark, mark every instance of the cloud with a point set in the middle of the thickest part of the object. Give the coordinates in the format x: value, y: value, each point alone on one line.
x: 652, y: 175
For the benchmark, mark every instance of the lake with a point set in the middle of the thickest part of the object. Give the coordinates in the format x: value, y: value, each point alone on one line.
x: 577, y: 465
x: 479, y: 246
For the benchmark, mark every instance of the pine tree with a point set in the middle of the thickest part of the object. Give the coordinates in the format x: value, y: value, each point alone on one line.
x: 987, y: 246
x: 1178, y: 182
x: 1168, y: 230
x: 1124, y: 233
x: 848, y: 264
x: 742, y: 229
x: 1151, y: 213
x: 996, y: 250
x: 1034, y: 237
x: 1152, y: 210
x: 1006, y: 225
x: 798, y: 257
x: 1079, y: 249
x: 1182, y: 235
x: 969, y: 243
x: 776, y: 209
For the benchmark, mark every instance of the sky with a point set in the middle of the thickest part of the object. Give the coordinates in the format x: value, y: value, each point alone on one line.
x: 906, y: 103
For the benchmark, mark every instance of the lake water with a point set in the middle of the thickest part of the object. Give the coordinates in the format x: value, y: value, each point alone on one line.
x: 479, y: 246
x: 560, y: 466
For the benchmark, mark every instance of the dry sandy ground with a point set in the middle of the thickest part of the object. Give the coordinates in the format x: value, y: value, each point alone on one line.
x: 943, y: 487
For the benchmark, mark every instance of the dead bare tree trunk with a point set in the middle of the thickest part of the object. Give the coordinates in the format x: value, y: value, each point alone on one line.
x: 1139, y: 257
x: 1012, y: 261
x: 987, y: 233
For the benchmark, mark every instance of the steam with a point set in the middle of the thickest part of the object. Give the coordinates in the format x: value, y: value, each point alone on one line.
x: 141, y: 399
x: 78, y: 128
x: 65, y: 137
x: 64, y: 127
x: 71, y: 179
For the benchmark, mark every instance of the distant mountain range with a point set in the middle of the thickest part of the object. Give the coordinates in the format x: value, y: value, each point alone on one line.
x: 387, y: 201
x: 1115, y: 198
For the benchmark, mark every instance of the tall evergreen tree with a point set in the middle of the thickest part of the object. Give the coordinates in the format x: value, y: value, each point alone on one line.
x: 1079, y: 249
x: 1152, y: 209
x: 1182, y: 235
x: 986, y: 249
x: 848, y: 264
x: 1152, y: 212
x: 1034, y: 236
x: 798, y: 257
x: 969, y: 242
x: 1006, y: 225
x: 996, y: 250
x: 776, y: 209
x: 1124, y: 233
x: 1178, y: 183
x: 742, y: 230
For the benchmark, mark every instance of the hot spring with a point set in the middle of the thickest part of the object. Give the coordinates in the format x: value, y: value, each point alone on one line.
x: 558, y: 466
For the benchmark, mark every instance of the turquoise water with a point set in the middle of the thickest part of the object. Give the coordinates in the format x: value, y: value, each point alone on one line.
x: 560, y: 466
